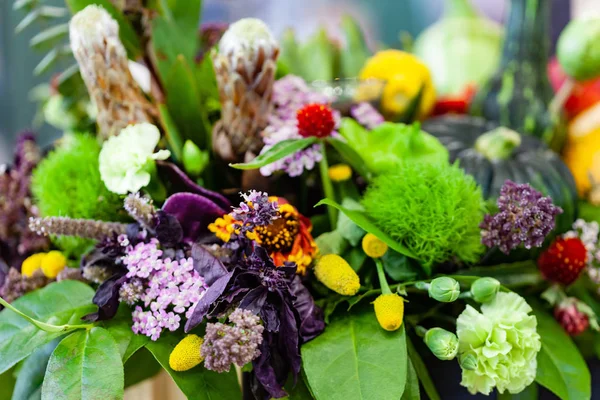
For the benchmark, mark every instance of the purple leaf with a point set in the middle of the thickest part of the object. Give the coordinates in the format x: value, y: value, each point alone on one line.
x: 194, y: 212
x: 207, y: 265
x: 168, y: 229
x: 210, y: 296
x: 180, y: 182
x: 107, y: 298
x: 311, y: 316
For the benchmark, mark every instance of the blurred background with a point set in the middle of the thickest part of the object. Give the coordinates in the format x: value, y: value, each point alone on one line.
x: 382, y: 20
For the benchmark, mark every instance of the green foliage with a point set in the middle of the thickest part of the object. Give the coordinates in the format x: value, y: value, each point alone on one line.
x: 197, y: 383
x: 7, y: 383
x: 67, y: 183
x: 561, y: 368
x: 277, y: 152
x: 356, y: 359
x: 58, y: 303
x: 32, y: 371
x: 120, y: 329
x: 390, y: 144
x: 433, y: 209
x: 85, y: 365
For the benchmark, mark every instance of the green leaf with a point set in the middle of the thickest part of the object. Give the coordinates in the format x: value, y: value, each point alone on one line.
x: 346, y: 227
x: 411, y: 391
x: 290, y: 53
x: 31, y: 373
x: 277, y: 152
x: 399, y: 267
x: 356, y: 52
x: 529, y: 393
x: 422, y: 371
x: 361, y: 219
x: 58, y: 304
x: 7, y: 383
x: 126, y: 32
x: 518, y: 274
x: 50, y: 37
x: 183, y: 102
x: 168, y: 42
x: 120, y: 329
x: 356, y: 359
x: 185, y: 13
x: 174, y: 140
x: 351, y: 156
x: 197, y: 383
x: 561, y: 368
x: 331, y: 243
x: 85, y: 365
x: 318, y: 57
x: 141, y: 366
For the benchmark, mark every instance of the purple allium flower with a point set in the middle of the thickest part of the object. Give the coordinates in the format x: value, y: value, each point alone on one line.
x: 168, y: 289
x: 366, y: 115
x: 290, y: 94
x: 225, y: 345
x: 524, y: 217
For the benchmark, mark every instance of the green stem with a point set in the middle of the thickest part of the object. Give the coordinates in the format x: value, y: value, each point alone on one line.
x: 327, y: 186
x: 42, y: 325
x: 385, y: 288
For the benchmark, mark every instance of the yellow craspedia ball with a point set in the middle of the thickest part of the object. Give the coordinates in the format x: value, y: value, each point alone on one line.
x: 389, y: 310
x: 335, y: 273
x: 340, y: 172
x: 373, y: 246
x: 52, y: 263
x: 32, y: 264
x: 404, y: 74
x: 186, y: 355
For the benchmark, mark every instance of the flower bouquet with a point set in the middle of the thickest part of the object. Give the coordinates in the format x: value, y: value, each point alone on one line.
x: 277, y: 219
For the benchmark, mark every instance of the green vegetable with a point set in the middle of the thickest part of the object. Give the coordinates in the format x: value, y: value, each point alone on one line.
x: 519, y: 93
x: 494, y: 155
x: 67, y: 184
x: 433, y: 209
x: 390, y: 144
x: 461, y: 49
x: 578, y: 49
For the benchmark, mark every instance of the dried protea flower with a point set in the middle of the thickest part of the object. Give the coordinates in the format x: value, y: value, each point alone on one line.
x: 104, y: 67
x: 84, y: 228
x: 245, y: 68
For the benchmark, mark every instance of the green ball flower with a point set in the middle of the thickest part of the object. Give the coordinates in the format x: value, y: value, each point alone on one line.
x: 444, y: 289
x: 485, y: 289
x: 128, y: 160
x: 443, y: 344
x: 504, y: 340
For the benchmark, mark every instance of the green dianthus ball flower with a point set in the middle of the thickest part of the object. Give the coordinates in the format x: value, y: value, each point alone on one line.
x: 433, y: 209
x: 504, y: 340
x: 485, y: 289
x: 67, y: 184
x: 443, y: 344
x: 444, y: 289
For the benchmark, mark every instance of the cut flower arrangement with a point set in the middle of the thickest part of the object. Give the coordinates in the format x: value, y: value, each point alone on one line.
x: 274, y: 219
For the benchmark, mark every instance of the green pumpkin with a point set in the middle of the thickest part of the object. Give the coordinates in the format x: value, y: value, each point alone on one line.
x: 493, y: 154
x: 519, y: 93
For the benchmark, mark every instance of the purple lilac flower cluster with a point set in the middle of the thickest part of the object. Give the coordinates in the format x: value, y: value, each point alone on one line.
x: 237, y: 344
x: 524, y: 217
x: 290, y: 94
x: 366, y: 115
x: 167, y: 288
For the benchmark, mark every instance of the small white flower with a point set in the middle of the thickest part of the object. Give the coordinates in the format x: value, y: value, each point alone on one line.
x: 126, y: 160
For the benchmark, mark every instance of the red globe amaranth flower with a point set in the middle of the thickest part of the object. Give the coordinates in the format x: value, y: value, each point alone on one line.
x: 563, y: 261
x: 573, y: 321
x: 315, y: 120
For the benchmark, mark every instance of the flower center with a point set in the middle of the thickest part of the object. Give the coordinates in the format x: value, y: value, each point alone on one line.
x: 279, y: 236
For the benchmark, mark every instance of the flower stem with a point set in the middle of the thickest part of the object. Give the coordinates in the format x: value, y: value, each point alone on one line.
x: 385, y: 288
x: 42, y: 325
x: 327, y: 186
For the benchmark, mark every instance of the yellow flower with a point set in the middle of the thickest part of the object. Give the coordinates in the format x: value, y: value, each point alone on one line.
x: 340, y: 172
x: 405, y: 75
x: 373, y: 246
x: 53, y: 263
x: 186, y: 355
x: 223, y: 227
x: 389, y: 310
x: 32, y: 264
x: 335, y: 273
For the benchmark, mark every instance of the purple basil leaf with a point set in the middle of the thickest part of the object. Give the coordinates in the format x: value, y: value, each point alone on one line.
x: 180, y: 182
x: 194, y: 212
x: 311, y: 316
x: 255, y: 299
x: 212, y: 293
x: 207, y: 265
x: 288, y: 338
x: 265, y: 383
x: 168, y: 229
x: 107, y: 298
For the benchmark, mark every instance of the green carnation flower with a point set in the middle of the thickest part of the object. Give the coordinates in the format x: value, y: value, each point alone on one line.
x: 504, y: 341
x: 128, y: 160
